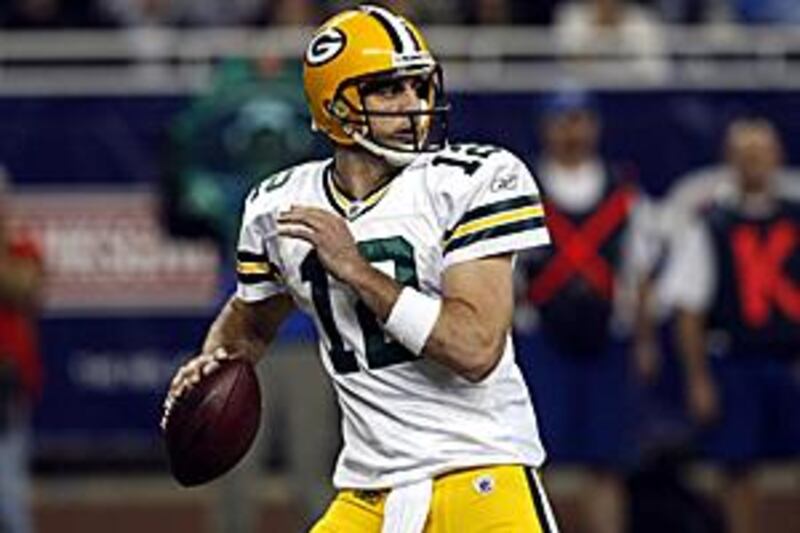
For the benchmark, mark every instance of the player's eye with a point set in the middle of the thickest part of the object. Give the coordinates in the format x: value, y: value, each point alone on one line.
x: 385, y: 88
x: 422, y: 86
x: 392, y: 88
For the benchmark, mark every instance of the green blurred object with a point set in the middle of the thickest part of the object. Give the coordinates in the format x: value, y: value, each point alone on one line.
x: 251, y: 123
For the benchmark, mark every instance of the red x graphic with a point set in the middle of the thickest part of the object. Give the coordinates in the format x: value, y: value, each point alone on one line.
x: 578, y: 248
x: 759, y: 269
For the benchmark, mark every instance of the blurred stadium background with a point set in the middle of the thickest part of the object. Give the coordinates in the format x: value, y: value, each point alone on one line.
x: 130, y: 129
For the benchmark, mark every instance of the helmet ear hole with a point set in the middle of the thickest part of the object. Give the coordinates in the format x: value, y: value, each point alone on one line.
x: 338, y: 109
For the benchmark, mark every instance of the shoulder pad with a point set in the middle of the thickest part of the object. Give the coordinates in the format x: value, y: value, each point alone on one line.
x: 465, y: 159
x: 269, y: 183
x: 272, y: 187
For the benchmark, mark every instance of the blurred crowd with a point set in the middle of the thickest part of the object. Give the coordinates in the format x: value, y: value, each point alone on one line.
x: 31, y: 14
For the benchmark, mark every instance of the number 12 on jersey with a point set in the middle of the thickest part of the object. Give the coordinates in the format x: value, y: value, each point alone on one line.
x: 380, y: 352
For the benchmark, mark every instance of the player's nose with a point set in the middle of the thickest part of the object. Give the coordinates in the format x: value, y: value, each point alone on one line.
x: 409, y: 96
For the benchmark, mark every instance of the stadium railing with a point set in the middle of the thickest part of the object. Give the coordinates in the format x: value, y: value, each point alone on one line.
x: 145, y: 60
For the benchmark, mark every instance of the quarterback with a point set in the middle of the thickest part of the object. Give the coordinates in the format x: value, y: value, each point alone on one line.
x: 401, y: 248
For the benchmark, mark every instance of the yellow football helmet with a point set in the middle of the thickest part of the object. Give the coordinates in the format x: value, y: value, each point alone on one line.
x: 364, y: 46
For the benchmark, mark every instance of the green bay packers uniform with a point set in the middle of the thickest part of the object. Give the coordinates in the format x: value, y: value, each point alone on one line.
x: 424, y: 448
x: 407, y: 418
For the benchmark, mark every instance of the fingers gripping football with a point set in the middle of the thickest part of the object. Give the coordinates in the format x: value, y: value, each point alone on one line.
x: 190, y: 375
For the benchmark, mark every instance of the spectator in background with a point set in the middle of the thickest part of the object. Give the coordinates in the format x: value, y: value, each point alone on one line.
x: 210, y: 13
x: 576, y: 364
x: 292, y: 12
x: 48, y: 14
x: 142, y: 22
x: 35, y: 14
x: 585, y: 27
x: 539, y: 12
x: 249, y: 123
x: 489, y: 12
x: 747, y: 143
x: 20, y: 370
x: 749, y: 146
x: 743, y: 260
x: 426, y: 12
x: 692, y: 11
x: 689, y: 11
x: 477, y: 12
x: 139, y: 12
x: 441, y: 12
x: 766, y: 11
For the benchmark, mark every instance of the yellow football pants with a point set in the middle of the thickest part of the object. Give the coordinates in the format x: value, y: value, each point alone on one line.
x: 494, y: 499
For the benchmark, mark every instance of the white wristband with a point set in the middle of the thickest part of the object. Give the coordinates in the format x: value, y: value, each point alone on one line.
x: 412, y: 319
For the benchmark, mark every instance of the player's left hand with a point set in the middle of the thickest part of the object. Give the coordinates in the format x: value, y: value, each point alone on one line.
x: 190, y: 375
x: 329, y: 235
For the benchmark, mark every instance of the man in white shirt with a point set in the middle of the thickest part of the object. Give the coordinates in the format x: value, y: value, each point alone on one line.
x: 735, y: 281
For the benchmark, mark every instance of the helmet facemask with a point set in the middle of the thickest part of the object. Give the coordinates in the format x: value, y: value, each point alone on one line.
x: 427, y: 125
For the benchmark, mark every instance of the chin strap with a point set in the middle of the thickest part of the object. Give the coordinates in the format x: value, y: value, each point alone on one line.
x: 396, y: 158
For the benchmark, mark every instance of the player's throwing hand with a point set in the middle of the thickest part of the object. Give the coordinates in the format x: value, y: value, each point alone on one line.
x: 328, y: 234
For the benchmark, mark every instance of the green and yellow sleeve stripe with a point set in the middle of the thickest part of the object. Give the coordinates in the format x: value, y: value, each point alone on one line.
x: 498, y: 219
x: 252, y: 268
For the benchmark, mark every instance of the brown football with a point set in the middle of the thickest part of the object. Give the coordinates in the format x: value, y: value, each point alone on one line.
x: 211, y: 427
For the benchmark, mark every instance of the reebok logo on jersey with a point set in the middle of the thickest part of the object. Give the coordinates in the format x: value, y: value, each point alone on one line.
x: 504, y: 183
x: 484, y: 484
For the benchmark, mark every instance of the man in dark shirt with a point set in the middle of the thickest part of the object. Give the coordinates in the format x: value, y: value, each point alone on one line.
x: 736, y: 279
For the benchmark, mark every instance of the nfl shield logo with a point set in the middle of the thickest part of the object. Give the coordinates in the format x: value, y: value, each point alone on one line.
x: 484, y: 484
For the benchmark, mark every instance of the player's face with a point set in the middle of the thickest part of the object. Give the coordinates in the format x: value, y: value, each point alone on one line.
x: 755, y: 155
x: 398, y: 95
x: 572, y: 136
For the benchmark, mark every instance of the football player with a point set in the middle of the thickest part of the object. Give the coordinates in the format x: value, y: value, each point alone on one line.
x: 401, y: 248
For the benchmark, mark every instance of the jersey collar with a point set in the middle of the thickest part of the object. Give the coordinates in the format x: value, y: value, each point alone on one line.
x: 344, y: 204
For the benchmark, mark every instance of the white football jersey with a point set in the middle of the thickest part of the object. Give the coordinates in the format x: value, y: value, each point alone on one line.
x: 405, y: 417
